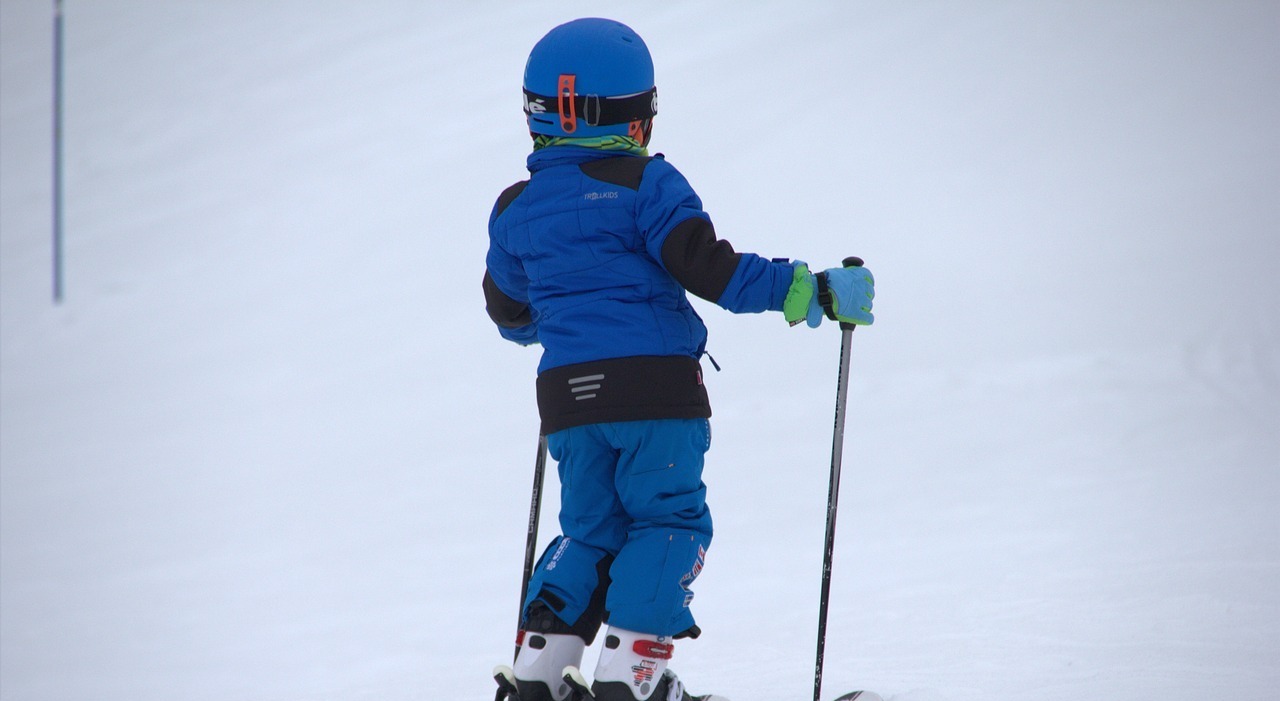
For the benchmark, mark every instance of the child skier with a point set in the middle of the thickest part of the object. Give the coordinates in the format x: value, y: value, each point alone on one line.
x: 591, y: 257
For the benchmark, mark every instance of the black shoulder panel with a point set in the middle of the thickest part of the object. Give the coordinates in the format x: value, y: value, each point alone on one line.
x: 509, y: 195
x: 626, y: 171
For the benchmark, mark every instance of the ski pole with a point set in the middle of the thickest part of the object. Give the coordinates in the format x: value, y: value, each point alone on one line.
x: 833, y: 491
x: 58, y: 71
x: 530, y: 544
x: 535, y: 509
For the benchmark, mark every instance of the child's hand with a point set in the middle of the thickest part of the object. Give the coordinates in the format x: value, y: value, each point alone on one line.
x: 851, y: 290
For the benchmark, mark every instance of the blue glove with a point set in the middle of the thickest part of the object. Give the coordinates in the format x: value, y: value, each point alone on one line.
x: 850, y: 293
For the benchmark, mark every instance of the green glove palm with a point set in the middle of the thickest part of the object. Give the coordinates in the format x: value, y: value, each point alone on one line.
x: 800, y: 296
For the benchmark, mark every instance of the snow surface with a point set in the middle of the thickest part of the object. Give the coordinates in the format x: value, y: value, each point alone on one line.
x: 270, y: 448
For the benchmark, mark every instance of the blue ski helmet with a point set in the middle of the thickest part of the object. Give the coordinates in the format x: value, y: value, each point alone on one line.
x: 590, y: 77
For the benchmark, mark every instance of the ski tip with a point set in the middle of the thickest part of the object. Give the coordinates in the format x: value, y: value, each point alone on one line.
x: 572, y: 673
x: 861, y: 696
x: 579, y: 687
x: 506, y: 680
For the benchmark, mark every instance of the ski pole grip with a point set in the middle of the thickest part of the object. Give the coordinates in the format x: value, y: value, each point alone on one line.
x: 850, y: 262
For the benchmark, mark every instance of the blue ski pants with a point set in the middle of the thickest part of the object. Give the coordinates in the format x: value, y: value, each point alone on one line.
x: 634, y: 522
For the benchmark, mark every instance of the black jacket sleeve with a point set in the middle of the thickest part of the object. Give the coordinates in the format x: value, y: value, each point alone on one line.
x: 700, y: 262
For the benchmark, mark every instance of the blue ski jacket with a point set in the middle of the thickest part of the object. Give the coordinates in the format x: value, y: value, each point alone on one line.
x: 592, y: 257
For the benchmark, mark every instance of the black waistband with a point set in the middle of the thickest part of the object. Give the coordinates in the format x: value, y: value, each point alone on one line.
x: 622, y: 389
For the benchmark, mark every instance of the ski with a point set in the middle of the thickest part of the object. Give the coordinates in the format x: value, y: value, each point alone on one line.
x: 860, y: 696
x: 580, y: 688
x: 506, y: 679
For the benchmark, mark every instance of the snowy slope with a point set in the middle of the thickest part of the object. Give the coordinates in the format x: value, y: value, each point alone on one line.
x: 271, y: 449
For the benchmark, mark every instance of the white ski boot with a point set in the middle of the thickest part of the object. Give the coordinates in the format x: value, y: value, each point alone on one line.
x: 539, y: 668
x: 633, y: 667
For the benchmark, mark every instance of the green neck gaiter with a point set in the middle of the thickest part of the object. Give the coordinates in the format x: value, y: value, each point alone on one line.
x: 612, y: 142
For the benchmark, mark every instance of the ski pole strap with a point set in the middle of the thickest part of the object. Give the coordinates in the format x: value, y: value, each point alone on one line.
x: 824, y: 296
x: 594, y: 110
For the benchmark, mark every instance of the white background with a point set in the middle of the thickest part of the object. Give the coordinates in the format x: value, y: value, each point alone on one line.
x: 271, y: 448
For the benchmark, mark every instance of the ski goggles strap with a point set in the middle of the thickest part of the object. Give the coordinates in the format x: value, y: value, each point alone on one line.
x: 595, y: 110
